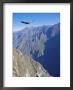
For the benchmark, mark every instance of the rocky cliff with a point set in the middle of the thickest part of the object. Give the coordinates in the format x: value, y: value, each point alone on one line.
x: 24, y: 66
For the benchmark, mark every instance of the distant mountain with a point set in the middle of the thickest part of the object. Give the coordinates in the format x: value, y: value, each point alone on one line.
x: 42, y: 43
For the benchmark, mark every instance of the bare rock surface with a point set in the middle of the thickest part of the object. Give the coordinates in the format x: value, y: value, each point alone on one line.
x: 24, y: 66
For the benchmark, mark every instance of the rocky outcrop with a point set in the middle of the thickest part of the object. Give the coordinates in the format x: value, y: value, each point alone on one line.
x: 24, y: 66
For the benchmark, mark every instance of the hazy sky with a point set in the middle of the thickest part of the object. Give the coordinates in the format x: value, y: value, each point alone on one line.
x: 35, y: 19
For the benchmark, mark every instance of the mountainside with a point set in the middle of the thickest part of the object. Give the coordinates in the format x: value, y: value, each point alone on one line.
x: 51, y: 58
x: 42, y: 43
x: 24, y: 66
x: 28, y: 40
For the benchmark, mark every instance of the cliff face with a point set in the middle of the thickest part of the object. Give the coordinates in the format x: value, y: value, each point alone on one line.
x: 31, y: 41
x: 24, y: 66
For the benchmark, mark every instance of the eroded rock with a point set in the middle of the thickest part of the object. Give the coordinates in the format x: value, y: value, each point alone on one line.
x: 24, y: 66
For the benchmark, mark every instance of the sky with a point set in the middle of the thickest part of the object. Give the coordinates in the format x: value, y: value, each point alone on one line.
x: 36, y: 19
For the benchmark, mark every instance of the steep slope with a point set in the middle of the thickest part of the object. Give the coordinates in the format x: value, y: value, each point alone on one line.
x: 24, y: 66
x: 31, y: 40
x: 51, y: 58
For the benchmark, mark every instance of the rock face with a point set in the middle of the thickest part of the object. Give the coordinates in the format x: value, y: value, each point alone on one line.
x: 24, y: 66
x: 31, y: 41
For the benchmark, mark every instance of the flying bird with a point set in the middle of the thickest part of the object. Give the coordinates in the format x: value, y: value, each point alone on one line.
x: 25, y: 22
